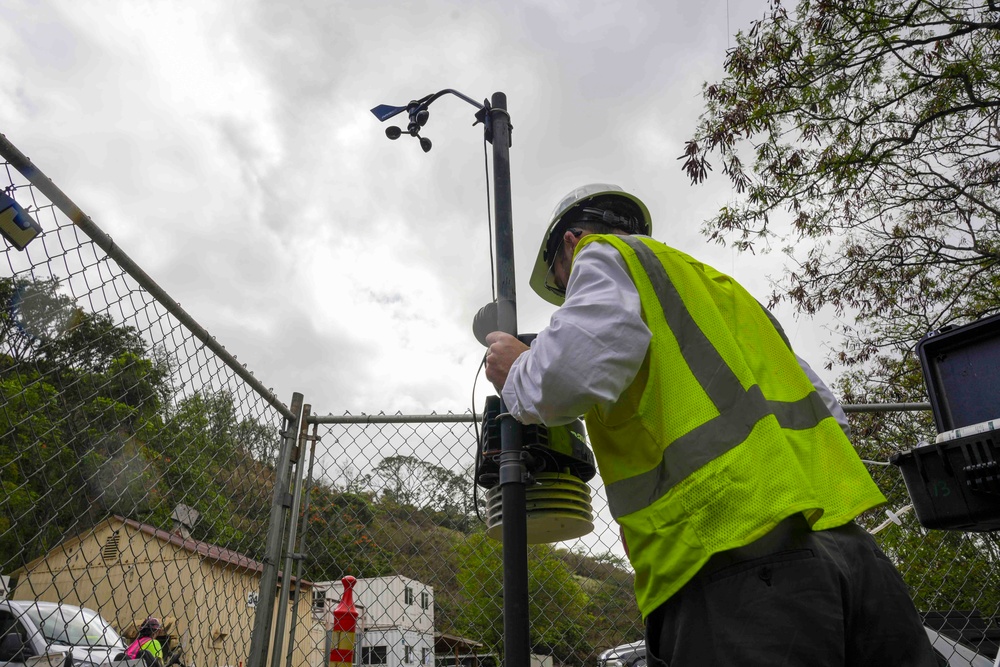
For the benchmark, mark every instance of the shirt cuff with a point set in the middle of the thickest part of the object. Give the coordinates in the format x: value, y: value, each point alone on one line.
x: 509, y: 394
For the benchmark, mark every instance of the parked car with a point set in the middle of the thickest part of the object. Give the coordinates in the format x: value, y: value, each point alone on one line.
x: 950, y: 653
x: 626, y: 655
x: 953, y: 654
x: 31, y: 629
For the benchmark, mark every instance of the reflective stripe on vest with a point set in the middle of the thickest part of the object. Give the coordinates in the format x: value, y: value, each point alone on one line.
x: 716, y: 436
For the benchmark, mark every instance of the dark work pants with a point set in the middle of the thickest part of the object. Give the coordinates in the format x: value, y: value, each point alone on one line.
x: 794, y: 597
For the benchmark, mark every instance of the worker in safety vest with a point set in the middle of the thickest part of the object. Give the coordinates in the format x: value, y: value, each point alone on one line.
x: 146, y: 646
x: 726, y: 460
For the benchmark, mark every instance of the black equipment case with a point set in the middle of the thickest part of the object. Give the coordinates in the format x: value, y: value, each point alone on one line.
x: 955, y: 484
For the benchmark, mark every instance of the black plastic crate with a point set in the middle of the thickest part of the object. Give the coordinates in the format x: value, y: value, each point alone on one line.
x: 955, y: 484
x: 961, y: 368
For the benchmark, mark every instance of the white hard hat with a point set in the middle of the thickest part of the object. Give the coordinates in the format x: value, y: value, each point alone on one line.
x: 619, y: 208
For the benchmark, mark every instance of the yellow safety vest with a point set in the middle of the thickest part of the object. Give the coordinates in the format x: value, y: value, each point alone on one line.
x: 721, y: 435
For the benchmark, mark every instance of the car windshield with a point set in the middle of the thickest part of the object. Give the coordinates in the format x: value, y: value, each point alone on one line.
x: 72, y: 626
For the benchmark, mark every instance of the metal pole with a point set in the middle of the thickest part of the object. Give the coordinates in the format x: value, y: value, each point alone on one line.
x: 300, y: 555
x: 260, y: 639
x: 516, y: 626
x: 286, y: 574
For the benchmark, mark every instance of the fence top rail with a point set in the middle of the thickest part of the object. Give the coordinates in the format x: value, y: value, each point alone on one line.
x: 886, y: 407
x: 471, y: 418
x: 466, y: 418
x: 83, y: 221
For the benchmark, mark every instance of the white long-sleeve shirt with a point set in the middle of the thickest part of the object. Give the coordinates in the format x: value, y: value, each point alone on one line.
x: 593, y: 347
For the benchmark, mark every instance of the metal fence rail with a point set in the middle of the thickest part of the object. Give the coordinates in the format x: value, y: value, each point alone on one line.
x: 145, y: 472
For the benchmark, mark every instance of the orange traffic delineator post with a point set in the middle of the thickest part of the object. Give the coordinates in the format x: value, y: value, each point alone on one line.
x: 345, y: 624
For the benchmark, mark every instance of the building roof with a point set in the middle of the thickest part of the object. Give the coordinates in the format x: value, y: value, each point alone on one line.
x: 210, y: 552
x: 453, y: 644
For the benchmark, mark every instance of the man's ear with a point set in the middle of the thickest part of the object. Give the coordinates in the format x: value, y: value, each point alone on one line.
x: 571, y: 237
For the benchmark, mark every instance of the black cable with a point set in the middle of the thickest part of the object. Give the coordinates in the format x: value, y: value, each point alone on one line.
x: 489, y: 219
x: 479, y: 444
x: 482, y: 364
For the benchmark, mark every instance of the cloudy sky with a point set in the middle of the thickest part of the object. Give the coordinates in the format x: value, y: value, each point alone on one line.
x: 228, y: 147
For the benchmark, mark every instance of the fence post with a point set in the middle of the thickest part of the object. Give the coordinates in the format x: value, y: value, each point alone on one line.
x: 298, y: 456
x: 260, y: 639
x: 300, y: 555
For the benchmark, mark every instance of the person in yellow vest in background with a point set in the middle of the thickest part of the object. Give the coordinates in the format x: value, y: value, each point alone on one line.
x: 146, y: 646
x: 726, y: 461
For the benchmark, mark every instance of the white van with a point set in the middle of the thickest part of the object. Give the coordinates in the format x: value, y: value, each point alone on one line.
x: 30, y: 630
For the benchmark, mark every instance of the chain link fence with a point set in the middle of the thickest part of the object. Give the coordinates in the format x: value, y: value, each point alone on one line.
x: 954, y: 575
x: 144, y: 472
x: 137, y: 459
x: 394, y: 503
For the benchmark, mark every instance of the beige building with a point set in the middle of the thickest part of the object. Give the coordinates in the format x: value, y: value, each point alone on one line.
x: 126, y: 570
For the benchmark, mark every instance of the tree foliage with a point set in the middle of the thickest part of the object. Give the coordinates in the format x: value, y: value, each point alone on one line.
x: 874, y: 129
x: 413, y: 482
x: 77, y: 391
x: 91, y: 426
x: 340, y: 540
x: 864, y: 138
x: 559, y: 607
x: 202, y: 455
x: 42, y: 325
